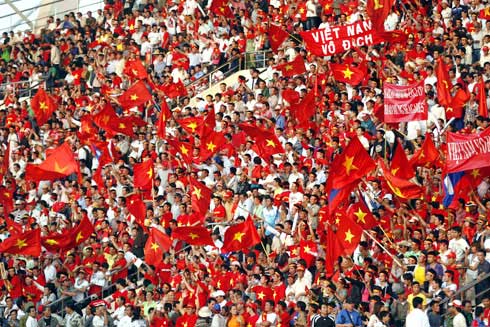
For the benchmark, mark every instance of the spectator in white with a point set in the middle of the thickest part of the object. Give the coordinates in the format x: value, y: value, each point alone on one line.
x: 268, y: 316
x: 155, y: 36
x: 294, y: 196
x: 55, y: 54
x: 301, y: 285
x: 72, y: 318
x: 127, y: 318
x: 391, y: 21
x: 417, y: 317
x: 457, y: 244
x: 244, y: 207
x: 445, y: 12
x: 81, y: 286
x: 31, y: 319
x: 146, y: 46
x: 190, y: 7
x: 454, y: 310
x: 195, y: 58
x: 49, y: 270
x: 101, y: 317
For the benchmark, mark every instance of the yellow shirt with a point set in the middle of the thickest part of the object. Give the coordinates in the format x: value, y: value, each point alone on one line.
x: 419, y: 274
x: 411, y: 297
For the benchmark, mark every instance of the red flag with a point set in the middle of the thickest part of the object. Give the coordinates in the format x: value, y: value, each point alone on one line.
x: 333, y: 251
x: 444, y: 84
x: 327, y: 7
x: 6, y: 161
x: 59, y: 163
x: 193, y: 235
x: 337, y: 196
x: 308, y: 251
x: 117, y: 8
x: 209, y: 123
x: 350, y: 166
x: 277, y: 36
x: 7, y: 199
x: 162, y: 120
x: 157, y: 244
x: 28, y: 243
x: 485, y: 13
x: 295, y: 67
x: 55, y: 242
x: 427, y: 154
x: 349, y: 234
x: 346, y: 73
x: 221, y: 8
x: 360, y: 213
x: 13, y: 227
x: 378, y: 11
x: 143, y: 174
x: 175, y: 90
x: 400, y: 166
x: 266, y: 142
x: 43, y: 106
x: 402, y: 188
x: 396, y: 36
x: 192, y: 125
x: 82, y: 231
x: 134, y: 69
x: 200, y: 196
x: 305, y: 109
x: 183, y: 148
x: 240, y: 236
x: 180, y: 59
x: 210, y: 144
x: 137, y: 208
x: 135, y: 96
x: 455, y: 109
x: 482, y: 97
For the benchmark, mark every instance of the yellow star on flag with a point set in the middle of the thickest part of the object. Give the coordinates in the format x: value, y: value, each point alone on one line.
x: 192, y: 126
x: 79, y: 237
x: 475, y: 173
x: 396, y: 190
x: 238, y: 236
x: 43, y: 106
x: 360, y: 216
x: 270, y: 143
x: 122, y: 125
x: 261, y: 295
x: 288, y: 67
x: 294, y: 252
x: 58, y: 168
x: 394, y: 171
x: 197, y: 193
x: 133, y: 97
x: 348, y: 73
x: 193, y: 236
x: 487, y: 11
x: 21, y: 243
x: 349, y: 236
x: 306, y: 249
x: 150, y: 172
x: 421, y: 155
x: 105, y: 119
x: 184, y: 150
x: 51, y: 241
x: 348, y: 164
x: 154, y: 246
x: 211, y: 146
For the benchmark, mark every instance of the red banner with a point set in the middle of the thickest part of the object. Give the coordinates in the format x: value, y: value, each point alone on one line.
x: 404, y: 103
x: 466, y: 152
x: 329, y: 41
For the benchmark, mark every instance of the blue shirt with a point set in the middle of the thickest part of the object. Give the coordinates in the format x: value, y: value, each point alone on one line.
x: 343, y: 318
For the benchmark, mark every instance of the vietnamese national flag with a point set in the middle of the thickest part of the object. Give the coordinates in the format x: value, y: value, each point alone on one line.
x: 13, y: 227
x: 402, y: 188
x: 305, y: 109
x: 427, y: 155
x: 360, y: 213
x: 221, y: 8
x: 485, y: 13
x: 378, y: 11
x: 444, y: 84
x: 482, y: 98
x: 456, y: 108
x: 210, y: 144
x: 337, y: 196
x: 43, y: 106
x: 350, y: 166
x: 277, y: 36
x: 28, y: 244
x: 346, y: 73
x: 400, y: 166
x: 327, y: 7
x: 162, y: 120
x: 266, y: 141
x: 156, y: 245
x: 308, y: 251
x: 209, y: 123
x: 175, y: 90
x: 134, y: 69
x: 7, y: 199
x: 349, y: 235
x: 135, y: 96
x: 193, y: 235
x: 240, y: 236
x: 82, y: 231
x: 333, y: 250
x: 143, y: 174
x: 200, y: 196
x: 192, y: 125
x: 295, y: 67
x: 59, y: 163
x: 137, y: 208
x: 185, y: 149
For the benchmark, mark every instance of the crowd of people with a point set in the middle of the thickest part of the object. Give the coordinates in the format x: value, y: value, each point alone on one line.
x: 423, y: 264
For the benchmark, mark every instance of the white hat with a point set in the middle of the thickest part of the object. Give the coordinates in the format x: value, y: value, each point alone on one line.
x: 218, y: 293
x: 105, y: 240
x: 204, y: 312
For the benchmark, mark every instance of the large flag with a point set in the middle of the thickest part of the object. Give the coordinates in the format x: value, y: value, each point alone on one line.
x: 378, y: 11
x: 305, y: 109
x: 200, y: 196
x: 458, y: 101
x: 221, y: 8
x: 156, y: 245
x: 59, y: 163
x: 444, y: 84
x: 28, y: 243
x: 183, y: 148
x: 485, y: 13
x: 404, y: 103
x: 333, y: 251
x: 400, y: 166
x: 240, y: 236
x: 165, y: 114
x: 175, y: 90
x: 137, y: 208
x: 82, y: 231
x: 143, y: 174
x: 55, y: 242
x: 277, y: 36
x: 192, y: 125
x: 135, y: 96
x: 193, y: 235
x: 427, y: 155
x: 465, y: 152
x: 402, y: 188
x: 346, y: 73
x: 266, y: 141
x: 350, y: 166
x: 360, y: 213
x: 291, y: 68
x: 336, y: 196
x: 43, y: 106
x: 210, y: 144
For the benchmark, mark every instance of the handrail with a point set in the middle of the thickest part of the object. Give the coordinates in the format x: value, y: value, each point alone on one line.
x: 465, y: 288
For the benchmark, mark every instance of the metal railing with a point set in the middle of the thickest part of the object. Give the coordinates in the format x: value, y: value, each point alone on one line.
x: 460, y: 293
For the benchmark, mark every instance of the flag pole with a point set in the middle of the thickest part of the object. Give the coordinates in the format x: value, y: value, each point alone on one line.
x: 395, y: 259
